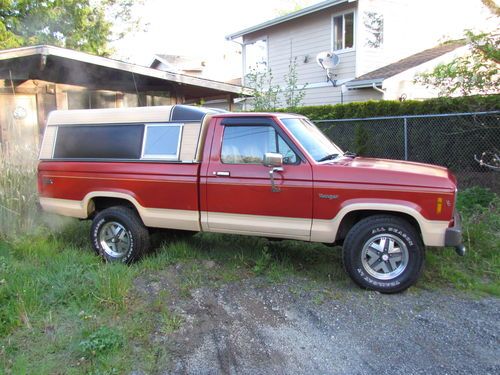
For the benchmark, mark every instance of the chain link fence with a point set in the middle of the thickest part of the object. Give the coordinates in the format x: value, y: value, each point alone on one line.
x: 450, y: 140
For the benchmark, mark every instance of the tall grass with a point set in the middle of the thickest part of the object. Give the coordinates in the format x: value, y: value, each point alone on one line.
x: 18, y: 191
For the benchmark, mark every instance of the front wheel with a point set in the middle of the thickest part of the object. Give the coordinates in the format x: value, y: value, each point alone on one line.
x: 118, y: 235
x: 383, y: 253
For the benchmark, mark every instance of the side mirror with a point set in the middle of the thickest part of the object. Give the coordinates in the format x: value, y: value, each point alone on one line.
x: 272, y: 159
x: 275, y: 161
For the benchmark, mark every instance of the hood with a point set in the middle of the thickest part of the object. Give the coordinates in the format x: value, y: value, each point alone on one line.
x: 386, y: 172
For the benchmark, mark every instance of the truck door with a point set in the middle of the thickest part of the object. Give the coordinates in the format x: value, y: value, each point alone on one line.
x: 239, y: 195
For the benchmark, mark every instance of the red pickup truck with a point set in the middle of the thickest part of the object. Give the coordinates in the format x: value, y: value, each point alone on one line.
x: 261, y: 174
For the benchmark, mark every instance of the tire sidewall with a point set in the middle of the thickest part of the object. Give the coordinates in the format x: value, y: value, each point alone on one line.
x: 97, y: 225
x: 400, y: 282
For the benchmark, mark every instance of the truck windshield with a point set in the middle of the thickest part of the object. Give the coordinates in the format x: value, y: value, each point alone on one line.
x: 312, y: 139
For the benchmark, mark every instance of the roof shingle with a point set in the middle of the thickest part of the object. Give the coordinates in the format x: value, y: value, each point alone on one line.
x: 409, y: 62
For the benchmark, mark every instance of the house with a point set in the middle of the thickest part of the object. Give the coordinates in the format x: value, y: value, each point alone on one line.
x: 378, y: 45
x: 179, y: 64
x: 37, y: 80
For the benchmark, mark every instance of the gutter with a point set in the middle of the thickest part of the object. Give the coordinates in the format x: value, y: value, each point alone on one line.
x: 375, y: 83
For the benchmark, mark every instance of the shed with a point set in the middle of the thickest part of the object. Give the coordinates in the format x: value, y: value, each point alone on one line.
x: 36, y: 80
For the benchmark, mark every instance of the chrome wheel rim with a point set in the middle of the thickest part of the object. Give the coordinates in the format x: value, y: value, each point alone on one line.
x: 114, y: 239
x: 384, y: 256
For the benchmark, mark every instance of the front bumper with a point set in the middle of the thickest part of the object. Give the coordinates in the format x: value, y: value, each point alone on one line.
x: 453, y: 236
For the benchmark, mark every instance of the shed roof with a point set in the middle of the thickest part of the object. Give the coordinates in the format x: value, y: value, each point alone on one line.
x: 379, y: 75
x: 61, y: 65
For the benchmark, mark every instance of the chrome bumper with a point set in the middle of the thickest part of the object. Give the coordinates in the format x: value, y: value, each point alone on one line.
x: 453, y: 236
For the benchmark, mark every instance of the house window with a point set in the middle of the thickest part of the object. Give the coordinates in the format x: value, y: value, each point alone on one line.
x: 162, y: 141
x: 256, y: 56
x: 343, y: 31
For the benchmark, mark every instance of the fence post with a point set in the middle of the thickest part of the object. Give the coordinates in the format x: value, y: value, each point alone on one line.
x: 405, y: 122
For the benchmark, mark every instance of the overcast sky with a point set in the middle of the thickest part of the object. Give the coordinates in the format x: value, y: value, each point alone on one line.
x: 196, y: 28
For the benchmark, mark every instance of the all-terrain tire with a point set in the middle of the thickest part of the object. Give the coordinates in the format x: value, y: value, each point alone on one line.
x: 118, y: 235
x: 383, y: 253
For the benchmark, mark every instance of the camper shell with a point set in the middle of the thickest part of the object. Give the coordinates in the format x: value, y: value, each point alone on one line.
x: 145, y: 134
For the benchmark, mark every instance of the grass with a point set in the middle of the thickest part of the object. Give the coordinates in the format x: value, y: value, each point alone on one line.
x: 479, y: 270
x: 64, y: 311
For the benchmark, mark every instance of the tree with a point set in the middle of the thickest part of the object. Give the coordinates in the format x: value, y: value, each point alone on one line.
x: 267, y: 95
x: 292, y: 94
x: 84, y: 25
x: 474, y: 73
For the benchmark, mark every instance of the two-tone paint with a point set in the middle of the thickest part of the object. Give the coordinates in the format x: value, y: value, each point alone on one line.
x: 311, y: 204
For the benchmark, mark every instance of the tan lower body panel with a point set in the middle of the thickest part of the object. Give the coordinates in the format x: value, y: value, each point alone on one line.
x: 64, y: 207
x: 256, y: 225
x: 433, y: 232
x: 152, y: 217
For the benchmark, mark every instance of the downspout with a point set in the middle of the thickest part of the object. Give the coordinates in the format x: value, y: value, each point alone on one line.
x: 374, y: 86
x: 243, y: 59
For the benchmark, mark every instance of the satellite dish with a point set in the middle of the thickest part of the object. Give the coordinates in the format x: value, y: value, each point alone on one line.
x: 328, y: 61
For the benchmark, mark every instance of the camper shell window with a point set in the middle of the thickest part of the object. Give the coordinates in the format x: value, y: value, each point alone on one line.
x: 99, y: 142
x: 156, y: 141
x: 162, y: 141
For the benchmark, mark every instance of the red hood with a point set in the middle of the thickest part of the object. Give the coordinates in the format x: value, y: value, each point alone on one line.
x: 385, y: 171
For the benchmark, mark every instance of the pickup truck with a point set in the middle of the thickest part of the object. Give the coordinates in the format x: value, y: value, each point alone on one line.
x: 134, y: 170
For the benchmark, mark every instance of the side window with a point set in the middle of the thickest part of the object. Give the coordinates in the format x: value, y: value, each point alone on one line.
x: 289, y: 156
x: 162, y: 141
x: 248, y: 144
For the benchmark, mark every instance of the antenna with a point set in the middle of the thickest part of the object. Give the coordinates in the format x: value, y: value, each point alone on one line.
x: 328, y: 61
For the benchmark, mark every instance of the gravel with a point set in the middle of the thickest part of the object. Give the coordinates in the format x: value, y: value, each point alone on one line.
x: 298, y: 327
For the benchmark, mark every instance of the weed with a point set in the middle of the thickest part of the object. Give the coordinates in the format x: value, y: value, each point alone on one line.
x: 263, y: 262
x: 101, y: 341
x: 170, y: 322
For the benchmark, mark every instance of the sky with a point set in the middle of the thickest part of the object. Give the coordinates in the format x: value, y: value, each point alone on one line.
x: 196, y: 28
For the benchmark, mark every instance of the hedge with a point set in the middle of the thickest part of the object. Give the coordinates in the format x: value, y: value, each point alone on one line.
x: 396, y: 108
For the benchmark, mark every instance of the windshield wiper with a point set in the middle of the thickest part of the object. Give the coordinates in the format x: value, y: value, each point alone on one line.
x: 350, y: 154
x: 328, y: 157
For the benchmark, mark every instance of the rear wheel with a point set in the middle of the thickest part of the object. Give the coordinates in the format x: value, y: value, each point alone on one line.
x: 118, y: 235
x: 383, y: 253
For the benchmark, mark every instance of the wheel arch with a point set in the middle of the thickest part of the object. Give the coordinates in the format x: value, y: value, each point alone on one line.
x: 353, y: 217
x: 334, y: 230
x: 99, y: 200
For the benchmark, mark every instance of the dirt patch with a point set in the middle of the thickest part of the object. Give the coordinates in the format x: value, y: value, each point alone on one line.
x: 253, y: 326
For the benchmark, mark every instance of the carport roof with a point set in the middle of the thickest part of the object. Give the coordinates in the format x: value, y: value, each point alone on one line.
x: 61, y: 65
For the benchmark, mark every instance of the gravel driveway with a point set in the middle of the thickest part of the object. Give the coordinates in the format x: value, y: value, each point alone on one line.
x: 295, y: 327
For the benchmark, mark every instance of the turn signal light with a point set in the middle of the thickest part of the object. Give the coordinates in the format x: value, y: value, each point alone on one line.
x: 439, y: 205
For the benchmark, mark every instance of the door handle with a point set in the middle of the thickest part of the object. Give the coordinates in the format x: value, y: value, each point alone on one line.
x: 222, y: 173
x: 274, y: 188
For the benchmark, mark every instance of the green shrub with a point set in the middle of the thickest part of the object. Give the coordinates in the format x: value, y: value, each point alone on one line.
x: 474, y: 199
x: 373, y: 108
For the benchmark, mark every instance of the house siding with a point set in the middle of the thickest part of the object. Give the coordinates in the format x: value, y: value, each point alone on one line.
x: 302, y: 39
x: 408, y: 27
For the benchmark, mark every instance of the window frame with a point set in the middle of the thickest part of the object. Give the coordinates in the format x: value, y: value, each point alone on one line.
x: 175, y: 156
x: 332, y: 31
x: 277, y: 132
x: 265, y: 39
